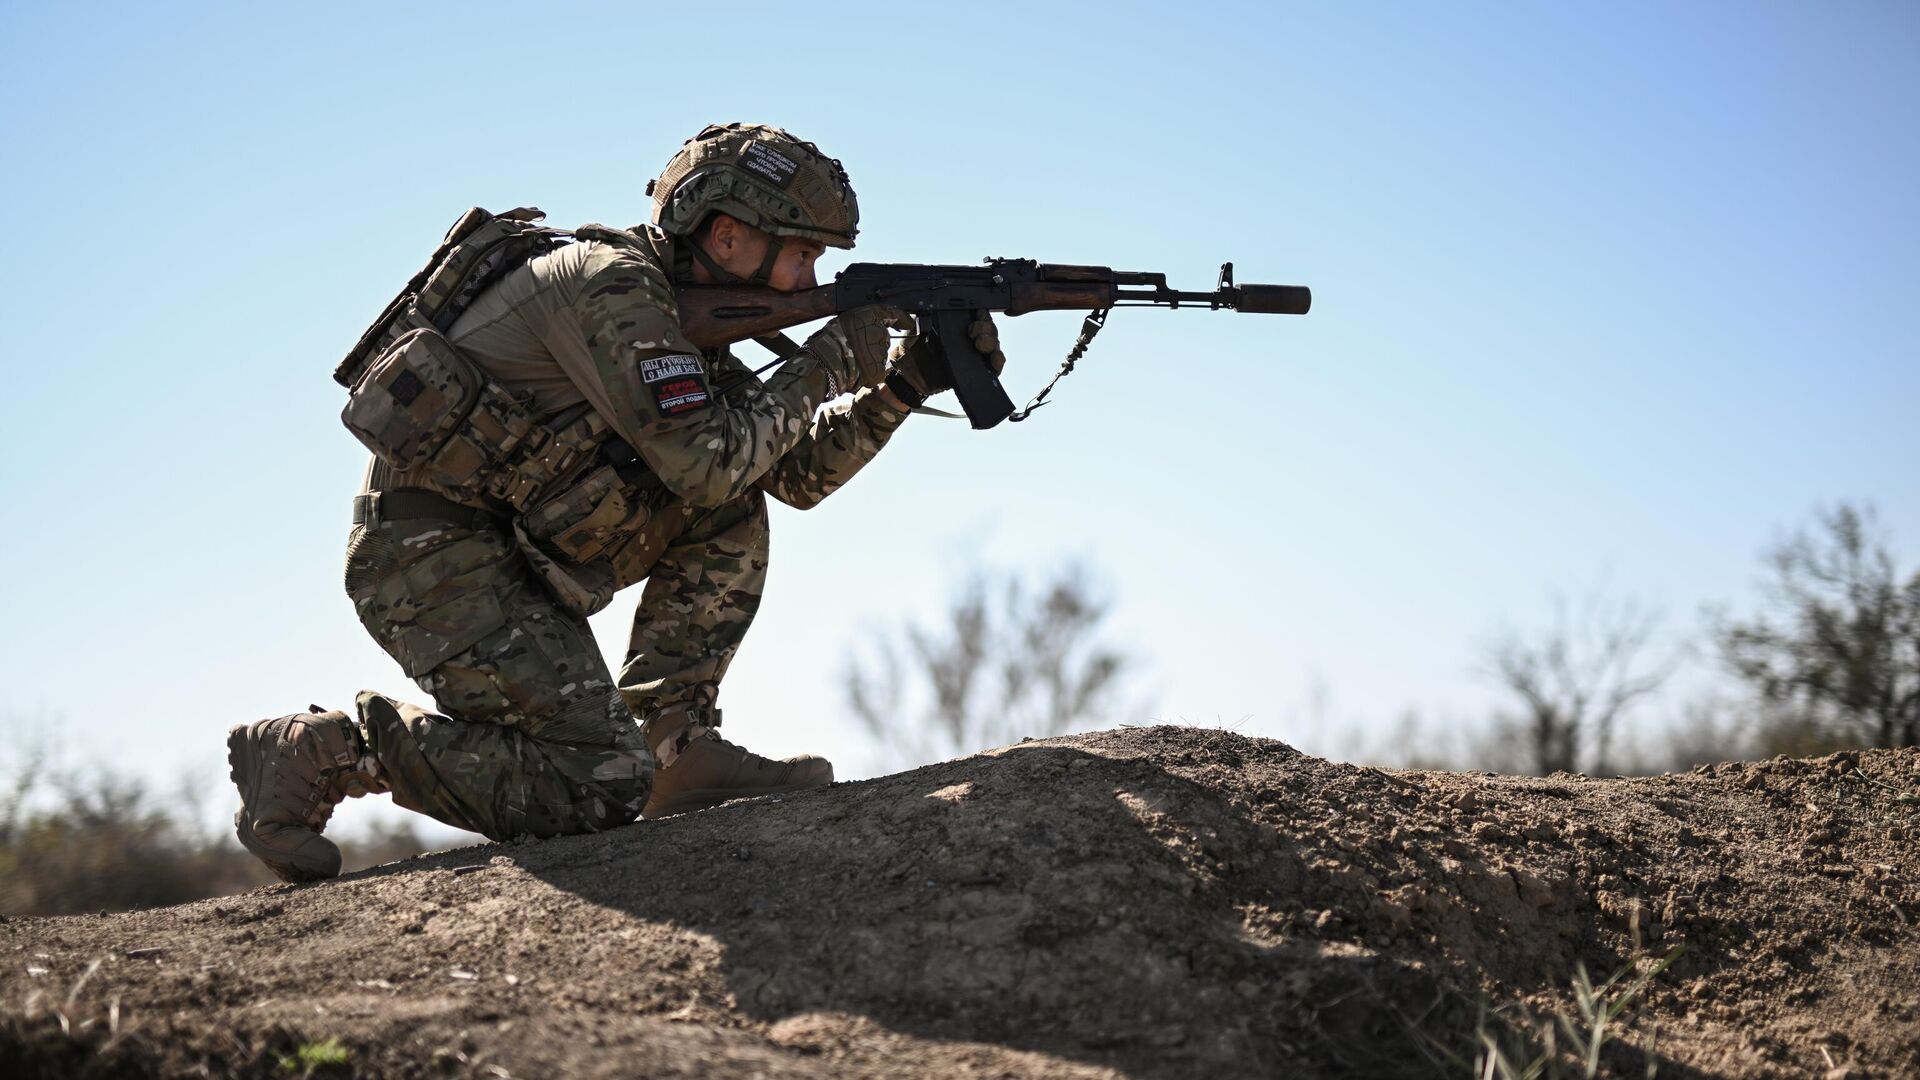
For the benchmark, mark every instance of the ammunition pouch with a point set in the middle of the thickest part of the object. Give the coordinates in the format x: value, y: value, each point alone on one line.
x: 423, y: 408
x: 590, y: 517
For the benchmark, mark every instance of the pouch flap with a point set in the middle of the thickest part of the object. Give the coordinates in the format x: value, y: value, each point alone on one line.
x: 412, y: 398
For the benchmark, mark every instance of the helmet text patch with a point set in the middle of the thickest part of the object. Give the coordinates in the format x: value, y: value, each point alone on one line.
x: 760, y: 158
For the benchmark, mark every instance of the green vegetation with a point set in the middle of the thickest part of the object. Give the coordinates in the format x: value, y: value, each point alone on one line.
x: 1592, y: 1024
x: 314, y: 1058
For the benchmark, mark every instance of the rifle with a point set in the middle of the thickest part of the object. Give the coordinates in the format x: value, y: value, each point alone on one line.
x: 943, y: 300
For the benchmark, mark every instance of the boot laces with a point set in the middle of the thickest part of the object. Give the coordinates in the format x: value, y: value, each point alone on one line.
x: 338, y: 776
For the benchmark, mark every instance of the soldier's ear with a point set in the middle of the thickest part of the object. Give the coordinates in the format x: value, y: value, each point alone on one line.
x: 724, y: 233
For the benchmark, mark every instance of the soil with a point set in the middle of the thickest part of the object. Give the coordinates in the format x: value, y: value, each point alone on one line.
x: 1152, y: 902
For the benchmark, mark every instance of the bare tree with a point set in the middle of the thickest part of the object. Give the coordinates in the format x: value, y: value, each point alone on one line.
x: 1838, y: 664
x: 1008, y: 661
x: 1576, y: 680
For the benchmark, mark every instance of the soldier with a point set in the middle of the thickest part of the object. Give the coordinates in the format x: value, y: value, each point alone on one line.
x: 481, y: 591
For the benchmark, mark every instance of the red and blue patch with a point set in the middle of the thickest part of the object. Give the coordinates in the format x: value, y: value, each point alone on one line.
x: 679, y: 396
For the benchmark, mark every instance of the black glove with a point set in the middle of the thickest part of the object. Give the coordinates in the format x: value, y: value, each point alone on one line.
x: 853, y: 346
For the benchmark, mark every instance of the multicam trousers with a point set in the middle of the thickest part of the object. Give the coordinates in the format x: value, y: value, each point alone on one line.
x: 534, y: 737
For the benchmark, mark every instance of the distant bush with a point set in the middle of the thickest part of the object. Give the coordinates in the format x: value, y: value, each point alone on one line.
x: 1835, y: 662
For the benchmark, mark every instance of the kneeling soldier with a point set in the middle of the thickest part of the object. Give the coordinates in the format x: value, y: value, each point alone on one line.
x: 544, y: 436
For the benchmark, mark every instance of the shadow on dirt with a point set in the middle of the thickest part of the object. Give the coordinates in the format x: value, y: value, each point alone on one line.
x: 1101, y: 909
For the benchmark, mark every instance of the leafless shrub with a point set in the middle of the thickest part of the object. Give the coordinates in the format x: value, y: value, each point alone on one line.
x: 1575, y: 681
x: 1010, y: 660
x: 1836, y: 663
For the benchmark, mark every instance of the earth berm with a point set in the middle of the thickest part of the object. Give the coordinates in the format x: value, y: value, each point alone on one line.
x: 1152, y: 902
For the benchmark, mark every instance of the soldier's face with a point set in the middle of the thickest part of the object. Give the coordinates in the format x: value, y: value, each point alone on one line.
x: 740, y: 249
x: 793, y: 269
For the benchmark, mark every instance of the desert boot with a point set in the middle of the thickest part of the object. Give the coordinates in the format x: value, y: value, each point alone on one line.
x: 291, y: 772
x: 697, y: 768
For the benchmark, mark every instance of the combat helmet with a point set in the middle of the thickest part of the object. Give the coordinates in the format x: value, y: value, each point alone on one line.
x: 764, y: 177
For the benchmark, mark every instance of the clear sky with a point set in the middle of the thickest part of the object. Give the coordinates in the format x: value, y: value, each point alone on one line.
x: 1615, y: 290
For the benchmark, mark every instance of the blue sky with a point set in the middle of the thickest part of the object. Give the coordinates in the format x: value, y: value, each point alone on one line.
x: 1614, y: 293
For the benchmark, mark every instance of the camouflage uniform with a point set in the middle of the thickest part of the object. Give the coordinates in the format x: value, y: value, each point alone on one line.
x: 488, y: 615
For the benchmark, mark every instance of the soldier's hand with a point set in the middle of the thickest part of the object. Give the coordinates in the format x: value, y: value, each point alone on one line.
x: 853, y: 346
x: 915, y: 357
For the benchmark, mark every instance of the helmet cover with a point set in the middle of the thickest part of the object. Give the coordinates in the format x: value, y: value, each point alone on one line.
x: 762, y: 176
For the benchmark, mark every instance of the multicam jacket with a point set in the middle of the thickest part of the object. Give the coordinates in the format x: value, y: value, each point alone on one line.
x: 593, y: 325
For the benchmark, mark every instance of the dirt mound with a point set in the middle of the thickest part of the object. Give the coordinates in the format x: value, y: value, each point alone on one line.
x: 1160, y: 902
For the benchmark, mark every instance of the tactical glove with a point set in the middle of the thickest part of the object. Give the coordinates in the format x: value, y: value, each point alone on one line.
x: 915, y: 360
x: 852, y: 348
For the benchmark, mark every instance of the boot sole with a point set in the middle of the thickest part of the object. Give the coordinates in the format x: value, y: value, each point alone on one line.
x: 243, y: 757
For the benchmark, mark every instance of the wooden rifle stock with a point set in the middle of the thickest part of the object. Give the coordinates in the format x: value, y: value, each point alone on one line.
x: 716, y: 315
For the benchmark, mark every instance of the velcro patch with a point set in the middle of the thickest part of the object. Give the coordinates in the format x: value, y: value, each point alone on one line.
x: 763, y: 159
x: 681, y: 396
x: 406, y: 387
x: 662, y: 368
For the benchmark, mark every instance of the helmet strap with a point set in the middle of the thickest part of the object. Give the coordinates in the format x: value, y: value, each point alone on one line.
x: 720, y: 273
x: 765, y: 274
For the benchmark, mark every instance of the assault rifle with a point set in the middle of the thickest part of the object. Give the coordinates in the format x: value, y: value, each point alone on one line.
x: 943, y: 299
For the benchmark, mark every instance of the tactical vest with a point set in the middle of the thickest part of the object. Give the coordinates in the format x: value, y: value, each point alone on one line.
x: 424, y: 408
